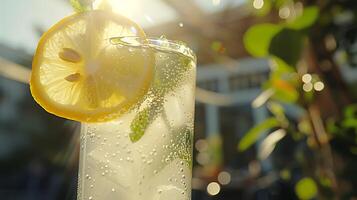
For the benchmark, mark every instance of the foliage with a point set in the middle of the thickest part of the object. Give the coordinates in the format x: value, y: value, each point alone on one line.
x: 306, y: 188
x: 284, y: 44
x: 253, y: 135
x: 257, y: 43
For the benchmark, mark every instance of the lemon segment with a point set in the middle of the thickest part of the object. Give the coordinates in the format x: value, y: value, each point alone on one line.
x: 78, y: 74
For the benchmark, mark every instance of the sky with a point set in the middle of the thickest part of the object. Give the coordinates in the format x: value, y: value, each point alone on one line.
x: 18, y: 18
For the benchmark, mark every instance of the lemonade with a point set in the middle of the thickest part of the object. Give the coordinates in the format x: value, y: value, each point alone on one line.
x: 134, y: 97
x: 145, y: 153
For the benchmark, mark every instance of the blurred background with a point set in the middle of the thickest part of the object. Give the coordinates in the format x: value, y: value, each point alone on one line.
x: 276, y: 106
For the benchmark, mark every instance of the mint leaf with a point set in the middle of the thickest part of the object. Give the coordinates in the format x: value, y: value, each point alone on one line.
x: 166, y: 78
x: 183, y: 145
x: 144, y: 118
x: 139, y: 125
x: 82, y: 5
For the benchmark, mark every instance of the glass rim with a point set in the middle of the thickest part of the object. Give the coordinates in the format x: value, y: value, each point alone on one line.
x: 158, y: 43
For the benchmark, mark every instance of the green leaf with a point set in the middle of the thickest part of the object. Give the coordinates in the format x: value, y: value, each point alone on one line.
x: 253, y: 134
x: 283, y: 80
x: 82, y: 5
x: 167, y: 77
x: 351, y: 111
x: 285, y: 95
x: 287, y: 45
x: 276, y: 109
x: 306, y: 20
x: 182, y: 144
x: 279, y: 113
x: 144, y: 118
x: 306, y: 188
x: 257, y: 39
x: 280, y: 68
x: 349, y: 123
x: 139, y: 125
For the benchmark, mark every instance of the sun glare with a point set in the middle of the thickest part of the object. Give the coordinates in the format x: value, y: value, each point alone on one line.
x: 127, y: 8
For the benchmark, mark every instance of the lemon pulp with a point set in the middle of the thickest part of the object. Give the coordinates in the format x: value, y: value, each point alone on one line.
x: 78, y: 74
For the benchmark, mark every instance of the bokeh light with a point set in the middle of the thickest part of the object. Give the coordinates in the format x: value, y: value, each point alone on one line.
x: 213, y: 188
x: 203, y: 158
x: 307, y: 87
x: 306, y: 78
x: 258, y: 4
x: 284, y: 12
x: 201, y: 145
x: 224, y: 178
x: 216, y: 2
x: 318, y: 86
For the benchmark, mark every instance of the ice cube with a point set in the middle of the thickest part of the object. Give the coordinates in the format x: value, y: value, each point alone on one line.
x: 179, y: 106
x: 152, y: 149
x: 165, y: 192
x: 174, y: 111
x: 172, y: 182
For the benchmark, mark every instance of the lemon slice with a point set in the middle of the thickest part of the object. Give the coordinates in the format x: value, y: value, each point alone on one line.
x: 78, y: 74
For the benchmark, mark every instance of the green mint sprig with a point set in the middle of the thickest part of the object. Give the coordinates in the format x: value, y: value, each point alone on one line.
x: 166, y: 78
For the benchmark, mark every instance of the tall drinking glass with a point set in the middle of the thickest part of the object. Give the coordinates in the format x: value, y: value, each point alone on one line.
x: 146, y: 153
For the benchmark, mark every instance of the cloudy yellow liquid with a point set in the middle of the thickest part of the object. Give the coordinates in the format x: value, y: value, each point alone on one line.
x: 117, y: 164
